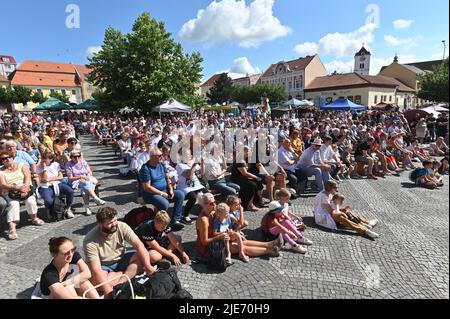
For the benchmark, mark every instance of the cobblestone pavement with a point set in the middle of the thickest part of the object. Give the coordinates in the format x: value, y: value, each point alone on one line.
x: 409, y: 260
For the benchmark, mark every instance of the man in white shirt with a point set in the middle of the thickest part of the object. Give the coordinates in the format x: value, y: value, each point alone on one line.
x: 312, y: 164
x: 327, y: 154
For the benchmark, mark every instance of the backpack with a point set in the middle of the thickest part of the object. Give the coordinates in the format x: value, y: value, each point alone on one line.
x: 217, y: 256
x: 163, y: 284
x: 58, y: 209
x: 137, y: 216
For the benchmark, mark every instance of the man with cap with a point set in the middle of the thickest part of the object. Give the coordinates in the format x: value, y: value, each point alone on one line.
x: 312, y: 164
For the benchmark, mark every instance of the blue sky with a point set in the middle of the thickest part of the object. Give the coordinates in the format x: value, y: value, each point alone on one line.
x: 237, y: 36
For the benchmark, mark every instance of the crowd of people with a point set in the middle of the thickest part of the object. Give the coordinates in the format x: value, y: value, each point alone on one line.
x: 42, y: 160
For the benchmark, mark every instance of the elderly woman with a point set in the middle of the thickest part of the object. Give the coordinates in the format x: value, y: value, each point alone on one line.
x: 15, y: 182
x: 50, y: 178
x: 67, y: 276
x: 80, y: 176
x: 205, y: 231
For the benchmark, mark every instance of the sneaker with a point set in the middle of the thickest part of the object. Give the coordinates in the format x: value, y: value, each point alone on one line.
x: 279, y: 242
x: 69, y: 213
x: 187, y: 221
x: 176, y: 226
x: 100, y: 202
x: 299, y: 249
x: 373, y: 222
x: 293, y: 192
x: 276, y: 252
x: 304, y: 241
x: 88, y: 212
x: 372, y: 234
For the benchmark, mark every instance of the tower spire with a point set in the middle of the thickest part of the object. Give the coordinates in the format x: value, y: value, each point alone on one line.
x: 396, y: 58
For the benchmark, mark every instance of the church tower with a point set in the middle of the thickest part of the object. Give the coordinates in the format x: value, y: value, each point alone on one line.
x: 362, y: 62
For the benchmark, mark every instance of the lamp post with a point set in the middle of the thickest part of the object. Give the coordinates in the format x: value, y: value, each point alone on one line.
x: 443, y: 42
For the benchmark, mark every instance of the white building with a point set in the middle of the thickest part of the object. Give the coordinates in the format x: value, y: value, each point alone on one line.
x: 7, y: 65
x: 362, y: 62
x: 294, y: 75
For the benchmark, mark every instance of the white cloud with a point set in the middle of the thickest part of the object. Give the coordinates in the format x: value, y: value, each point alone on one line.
x: 242, y: 65
x: 438, y: 55
x: 341, y: 44
x: 307, y: 48
x: 406, y: 43
x: 402, y: 24
x: 92, y: 50
x: 233, y: 20
x: 339, y: 66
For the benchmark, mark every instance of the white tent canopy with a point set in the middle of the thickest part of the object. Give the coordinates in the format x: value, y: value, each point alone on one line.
x: 172, y: 106
x: 435, y: 108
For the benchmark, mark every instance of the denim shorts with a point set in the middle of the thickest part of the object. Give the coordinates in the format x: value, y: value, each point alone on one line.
x: 122, y: 264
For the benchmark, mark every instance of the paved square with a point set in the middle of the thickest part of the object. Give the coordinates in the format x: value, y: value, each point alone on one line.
x: 409, y: 260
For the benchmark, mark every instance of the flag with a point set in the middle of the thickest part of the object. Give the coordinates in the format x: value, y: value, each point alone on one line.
x: 267, y: 108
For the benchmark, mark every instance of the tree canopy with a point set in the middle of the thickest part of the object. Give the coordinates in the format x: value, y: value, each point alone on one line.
x: 144, y: 68
x: 434, y: 85
x: 253, y: 94
x: 222, y: 90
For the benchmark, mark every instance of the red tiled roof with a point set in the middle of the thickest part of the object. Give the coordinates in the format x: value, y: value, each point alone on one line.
x: 44, y: 79
x: 355, y: 80
x: 3, y: 78
x: 42, y: 66
x: 211, y: 80
x: 297, y: 64
x: 82, y: 70
x: 11, y: 59
x: 426, y: 65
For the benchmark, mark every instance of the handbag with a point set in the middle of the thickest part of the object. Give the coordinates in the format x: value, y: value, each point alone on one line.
x: 17, y: 195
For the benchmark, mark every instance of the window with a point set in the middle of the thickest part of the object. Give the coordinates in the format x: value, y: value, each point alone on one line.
x: 361, y: 65
x: 290, y: 85
x: 39, y: 91
x: 52, y: 91
x: 350, y: 98
x: 63, y: 91
x: 375, y: 99
x: 329, y: 99
x: 357, y: 99
x: 390, y: 98
x: 74, y: 92
x: 300, y: 80
x: 6, y: 60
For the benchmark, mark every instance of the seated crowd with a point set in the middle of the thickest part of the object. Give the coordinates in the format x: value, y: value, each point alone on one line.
x: 42, y: 158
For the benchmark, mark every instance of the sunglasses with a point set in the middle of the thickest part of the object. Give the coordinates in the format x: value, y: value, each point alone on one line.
x: 76, y: 156
x: 160, y: 155
x: 69, y: 252
x: 4, y: 158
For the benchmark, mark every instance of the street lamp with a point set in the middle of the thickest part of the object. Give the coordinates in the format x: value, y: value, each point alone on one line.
x: 443, y: 42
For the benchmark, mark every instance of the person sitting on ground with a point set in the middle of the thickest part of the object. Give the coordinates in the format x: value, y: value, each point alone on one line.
x: 439, y: 148
x: 236, y: 209
x: 281, y: 224
x: 106, y: 253
x: 60, y: 280
x: 204, y: 229
x: 51, y: 185
x: 443, y: 169
x: 337, y: 203
x: 16, y: 177
x: 157, y: 188
x: 222, y: 224
x: 159, y: 239
x: 325, y: 216
x: 283, y: 196
x: 425, y: 177
x: 419, y: 151
x: 80, y: 176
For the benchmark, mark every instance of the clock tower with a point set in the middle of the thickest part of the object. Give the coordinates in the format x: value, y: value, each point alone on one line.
x: 362, y: 62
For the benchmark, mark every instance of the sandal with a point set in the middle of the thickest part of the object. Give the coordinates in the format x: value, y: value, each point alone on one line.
x: 12, y: 235
x: 245, y: 258
x: 229, y: 261
x: 38, y: 222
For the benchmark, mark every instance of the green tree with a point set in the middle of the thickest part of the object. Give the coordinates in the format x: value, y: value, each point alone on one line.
x: 6, y: 95
x: 221, y: 91
x: 63, y: 98
x: 253, y: 94
x: 38, y: 97
x: 21, y: 95
x: 144, y: 68
x: 434, y: 85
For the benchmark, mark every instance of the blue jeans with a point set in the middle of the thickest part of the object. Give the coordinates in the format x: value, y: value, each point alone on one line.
x: 221, y: 186
x: 122, y: 264
x: 322, y: 175
x: 162, y: 203
x: 48, y: 194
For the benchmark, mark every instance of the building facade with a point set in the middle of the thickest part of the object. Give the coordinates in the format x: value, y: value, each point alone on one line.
x: 361, y: 89
x: 247, y: 80
x: 7, y: 65
x: 362, y: 62
x: 409, y: 75
x: 49, y: 77
x: 294, y: 75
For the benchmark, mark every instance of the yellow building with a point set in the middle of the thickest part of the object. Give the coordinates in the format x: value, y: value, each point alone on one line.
x: 361, y: 89
x: 4, y: 83
x: 409, y: 75
x: 48, y: 77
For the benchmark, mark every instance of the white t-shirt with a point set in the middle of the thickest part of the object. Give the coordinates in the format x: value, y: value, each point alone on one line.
x: 326, y: 153
x: 321, y: 215
x: 52, y: 171
x: 189, y: 185
x: 213, y: 166
x: 283, y: 157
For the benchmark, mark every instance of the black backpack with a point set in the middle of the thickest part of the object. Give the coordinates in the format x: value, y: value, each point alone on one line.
x: 164, y: 284
x: 137, y: 216
x: 58, y: 209
x: 217, y: 256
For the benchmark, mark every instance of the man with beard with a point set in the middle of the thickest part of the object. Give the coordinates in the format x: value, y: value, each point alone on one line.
x: 106, y: 253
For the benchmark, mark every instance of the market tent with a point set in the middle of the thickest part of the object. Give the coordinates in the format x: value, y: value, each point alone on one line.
x: 435, y: 108
x: 343, y: 105
x: 383, y: 106
x: 283, y: 108
x: 89, y: 104
x: 293, y: 103
x: 172, y: 106
x: 52, y: 104
x: 306, y: 103
x: 411, y: 115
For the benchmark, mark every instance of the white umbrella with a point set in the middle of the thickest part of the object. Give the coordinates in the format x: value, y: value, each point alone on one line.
x: 435, y: 108
x: 126, y: 110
